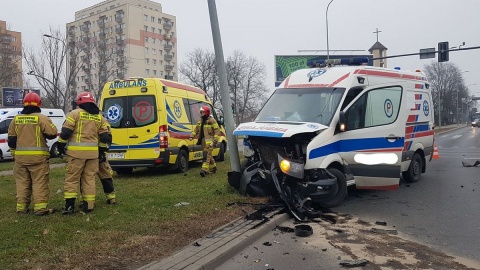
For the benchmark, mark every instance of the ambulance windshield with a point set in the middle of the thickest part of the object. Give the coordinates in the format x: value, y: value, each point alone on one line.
x: 316, y: 105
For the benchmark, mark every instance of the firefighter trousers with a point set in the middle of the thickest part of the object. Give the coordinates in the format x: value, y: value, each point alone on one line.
x: 81, y: 172
x: 32, y: 180
x: 105, y: 174
x: 208, y: 163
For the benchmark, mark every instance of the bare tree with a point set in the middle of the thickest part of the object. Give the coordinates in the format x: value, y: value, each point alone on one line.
x: 448, y: 89
x: 200, y: 70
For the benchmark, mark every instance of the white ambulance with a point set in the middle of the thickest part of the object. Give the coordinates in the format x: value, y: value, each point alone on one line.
x: 332, y: 126
x: 6, y: 117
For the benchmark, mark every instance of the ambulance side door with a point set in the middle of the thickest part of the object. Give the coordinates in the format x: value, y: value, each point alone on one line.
x: 374, y: 138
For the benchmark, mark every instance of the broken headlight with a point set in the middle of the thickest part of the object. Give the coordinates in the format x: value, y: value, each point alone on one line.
x: 290, y: 167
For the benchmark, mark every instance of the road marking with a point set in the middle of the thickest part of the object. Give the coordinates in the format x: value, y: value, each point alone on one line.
x: 456, y: 136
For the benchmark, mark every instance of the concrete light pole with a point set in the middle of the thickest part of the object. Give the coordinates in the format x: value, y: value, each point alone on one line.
x: 456, y: 105
x: 326, y: 22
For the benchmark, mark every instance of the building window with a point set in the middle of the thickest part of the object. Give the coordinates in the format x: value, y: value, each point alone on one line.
x: 153, y: 19
x: 146, y: 50
x: 153, y: 29
x: 160, y: 31
x: 146, y: 39
x: 159, y: 20
x: 155, y: 72
x: 154, y: 62
x: 146, y: 28
x: 147, y: 61
x: 145, y: 17
x: 147, y: 71
x: 153, y: 41
x: 154, y: 51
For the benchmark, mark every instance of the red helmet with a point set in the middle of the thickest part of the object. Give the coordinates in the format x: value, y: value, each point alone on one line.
x: 205, y: 109
x: 85, y: 97
x: 32, y: 99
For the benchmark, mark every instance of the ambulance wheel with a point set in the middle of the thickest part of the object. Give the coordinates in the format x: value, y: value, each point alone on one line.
x: 414, y: 171
x: 54, y: 153
x: 221, y: 153
x: 339, y: 191
x: 182, y: 161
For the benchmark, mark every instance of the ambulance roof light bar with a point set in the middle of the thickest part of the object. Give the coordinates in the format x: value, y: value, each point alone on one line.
x: 354, y: 61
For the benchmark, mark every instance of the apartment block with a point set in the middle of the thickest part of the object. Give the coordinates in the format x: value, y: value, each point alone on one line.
x: 120, y: 39
x: 11, y: 69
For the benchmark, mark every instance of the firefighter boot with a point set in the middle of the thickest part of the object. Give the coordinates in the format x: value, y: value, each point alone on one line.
x: 203, y: 173
x: 213, y: 169
x: 84, y: 207
x: 45, y: 212
x: 69, y: 207
x: 109, y: 190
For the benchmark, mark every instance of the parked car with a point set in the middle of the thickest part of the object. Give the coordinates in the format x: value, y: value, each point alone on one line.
x: 476, y: 123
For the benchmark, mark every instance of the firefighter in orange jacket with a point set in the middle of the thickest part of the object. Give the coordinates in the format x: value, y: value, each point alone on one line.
x: 208, y: 133
x: 105, y: 173
x: 86, y: 133
x: 27, y: 136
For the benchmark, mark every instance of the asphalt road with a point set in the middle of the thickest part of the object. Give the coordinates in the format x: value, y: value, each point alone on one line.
x: 441, y: 211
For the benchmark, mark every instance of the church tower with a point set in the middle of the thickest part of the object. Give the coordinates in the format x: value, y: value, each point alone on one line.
x: 378, y: 50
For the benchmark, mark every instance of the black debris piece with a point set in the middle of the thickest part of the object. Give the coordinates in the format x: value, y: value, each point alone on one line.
x: 303, y: 230
x: 196, y: 244
x: 267, y: 244
x: 465, y: 164
x: 381, y: 223
x: 284, y: 229
x: 356, y: 263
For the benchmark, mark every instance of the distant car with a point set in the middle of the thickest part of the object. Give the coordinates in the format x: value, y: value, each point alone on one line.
x: 476, y: 123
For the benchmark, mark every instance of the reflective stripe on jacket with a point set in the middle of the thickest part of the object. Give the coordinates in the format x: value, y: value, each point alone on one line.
x: 211, y: 130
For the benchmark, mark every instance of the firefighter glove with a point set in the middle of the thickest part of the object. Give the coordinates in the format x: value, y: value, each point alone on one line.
x: 102, y: 156
x: 214, y: 144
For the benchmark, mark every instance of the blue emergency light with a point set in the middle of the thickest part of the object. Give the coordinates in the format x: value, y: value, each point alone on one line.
x: 354, y: 61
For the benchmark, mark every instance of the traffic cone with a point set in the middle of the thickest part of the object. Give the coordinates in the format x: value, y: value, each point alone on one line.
x: 435, y: 152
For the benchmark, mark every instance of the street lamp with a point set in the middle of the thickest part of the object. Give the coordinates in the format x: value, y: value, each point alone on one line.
x: 326, y: 21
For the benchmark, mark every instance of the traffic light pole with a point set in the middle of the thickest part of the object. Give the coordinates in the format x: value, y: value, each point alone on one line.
x: 411, y: 54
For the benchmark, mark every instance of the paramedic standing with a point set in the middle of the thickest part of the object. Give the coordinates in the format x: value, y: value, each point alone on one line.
x: 27, y: 136
x: 86, y: 133
x: 105, y: 172
x: 208, y: 133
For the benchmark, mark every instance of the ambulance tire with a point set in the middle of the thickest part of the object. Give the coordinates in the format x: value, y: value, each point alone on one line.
x: 414, y: 172
x: 181, y: 164
x: 54, y: 153
x: 340, y: 189
x: 221, y: 153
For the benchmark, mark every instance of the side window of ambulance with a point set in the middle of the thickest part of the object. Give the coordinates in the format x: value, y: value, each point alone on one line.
x: 375, y: 108
x: 114, y: 111
x: 187, y: 110
x: 143, y: 110
x: 4, y: 126
x: 195, y: 106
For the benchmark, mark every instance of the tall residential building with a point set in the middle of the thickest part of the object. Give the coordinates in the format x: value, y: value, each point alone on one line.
x: 10, y: 57
x: 119, y: 39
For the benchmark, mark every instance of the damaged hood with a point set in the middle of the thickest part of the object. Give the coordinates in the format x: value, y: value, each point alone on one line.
x: 276, y: 129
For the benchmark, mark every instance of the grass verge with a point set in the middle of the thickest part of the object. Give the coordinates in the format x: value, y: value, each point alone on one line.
x: 145, y: 225
x: 7, y: 165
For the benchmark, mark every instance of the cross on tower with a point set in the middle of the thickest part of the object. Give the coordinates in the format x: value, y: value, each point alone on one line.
x: 376, y: 32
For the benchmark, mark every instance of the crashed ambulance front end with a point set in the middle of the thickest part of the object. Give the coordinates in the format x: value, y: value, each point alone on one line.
x: 293, y: 122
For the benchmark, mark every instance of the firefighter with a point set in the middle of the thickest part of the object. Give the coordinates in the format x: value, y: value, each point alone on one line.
x: 27, y: 136
x: 208, y: 133
x: 86, y: 133
x: 105, y: 173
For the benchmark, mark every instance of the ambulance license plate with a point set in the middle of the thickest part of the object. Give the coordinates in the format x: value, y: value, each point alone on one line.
x: 115, y: 155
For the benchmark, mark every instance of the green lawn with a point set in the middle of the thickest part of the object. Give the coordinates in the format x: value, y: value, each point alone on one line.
x: 144, y: 226
x: 7, y: 165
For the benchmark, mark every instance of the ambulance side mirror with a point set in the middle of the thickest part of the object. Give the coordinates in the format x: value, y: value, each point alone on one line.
x: 221, y: 120
x: 342, y: 122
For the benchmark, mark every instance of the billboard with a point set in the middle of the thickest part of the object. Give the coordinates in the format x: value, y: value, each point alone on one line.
x: 286, y: 64
x: 13, y: 97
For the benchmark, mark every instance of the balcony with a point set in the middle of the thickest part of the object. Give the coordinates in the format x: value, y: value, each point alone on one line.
x: 168, y: 67
x: 86, y: 69
x: 71, y: 44
x: 85, y: 27
x: 102, y: 44
x: 119, y: 18
x: 71, y: 33
x: 168, y: 47
x: 6, y: 49
x: 101, y: 23
x: 120, y: 63
x: 86, y: 49
x: 167, y: 36
x: 86, y: 39
x: 120, y: 42
x: 118, y: 30
x: 120, y: 75
x: 168, y: 57
x: 167, y: 26
x: 168, y: 77
x: 120, y: 52
x: 88, y: 80
x: 102, y: 35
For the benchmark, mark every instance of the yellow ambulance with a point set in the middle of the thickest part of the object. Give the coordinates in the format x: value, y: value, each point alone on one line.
x: 151, y: 120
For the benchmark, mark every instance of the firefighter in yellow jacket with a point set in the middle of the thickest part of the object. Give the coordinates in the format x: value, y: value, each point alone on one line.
x: 105, y: 173
x: 208, y: 132
x: 27, y: 136
x: 86, y: 133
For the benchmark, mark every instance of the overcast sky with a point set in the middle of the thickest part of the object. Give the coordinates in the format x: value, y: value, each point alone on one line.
x: 265, y: 28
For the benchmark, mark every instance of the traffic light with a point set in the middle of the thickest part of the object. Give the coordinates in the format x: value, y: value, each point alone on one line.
x: 443, y: 51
